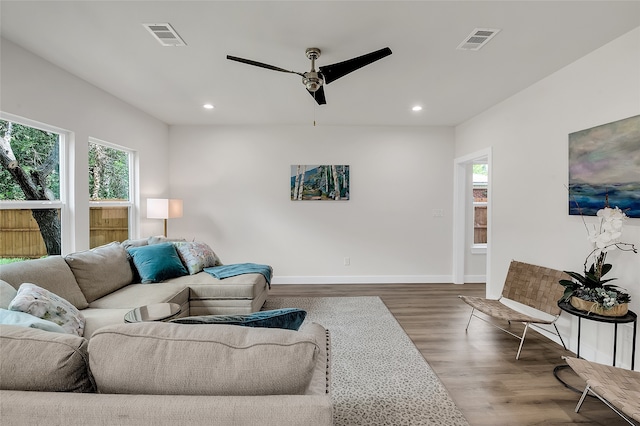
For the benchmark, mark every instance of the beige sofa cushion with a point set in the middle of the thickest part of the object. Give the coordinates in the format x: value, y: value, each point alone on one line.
x: 206, y: 286
x: 92, y: 409
x: 37, y: 360
x: 136, y: 295
x: 51, y: 273
x: 165, y: 358
x: 7, y: 293
x: 97, y: 318
x: 101, y: 270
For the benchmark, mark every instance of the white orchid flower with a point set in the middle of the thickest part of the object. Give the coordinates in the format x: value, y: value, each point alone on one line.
x: 613, y: 225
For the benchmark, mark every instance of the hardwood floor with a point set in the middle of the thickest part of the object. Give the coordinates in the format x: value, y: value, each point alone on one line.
x: 478, y: 368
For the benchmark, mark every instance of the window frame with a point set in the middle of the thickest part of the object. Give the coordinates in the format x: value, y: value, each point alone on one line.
x: 131, y: 203
x: 64, y: 141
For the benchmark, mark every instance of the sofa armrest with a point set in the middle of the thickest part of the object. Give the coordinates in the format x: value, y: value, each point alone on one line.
x: 81, y: 409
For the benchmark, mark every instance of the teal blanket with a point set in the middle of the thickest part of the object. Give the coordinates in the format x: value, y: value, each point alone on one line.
x: 226, y: 271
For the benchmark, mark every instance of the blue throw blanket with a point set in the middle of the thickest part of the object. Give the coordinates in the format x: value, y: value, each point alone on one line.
x: 226, y: 271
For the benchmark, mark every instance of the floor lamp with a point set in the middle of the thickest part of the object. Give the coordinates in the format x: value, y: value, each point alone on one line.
x: 163, y: 208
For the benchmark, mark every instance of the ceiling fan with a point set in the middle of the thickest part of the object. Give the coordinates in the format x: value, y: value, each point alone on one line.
x: 315, y: 80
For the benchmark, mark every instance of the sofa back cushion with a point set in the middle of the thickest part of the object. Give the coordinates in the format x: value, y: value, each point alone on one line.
x: 37, y: 360
x: 101, y: 270
x: 7, y: 293
x: 51, y: 273
x: 178, y: 359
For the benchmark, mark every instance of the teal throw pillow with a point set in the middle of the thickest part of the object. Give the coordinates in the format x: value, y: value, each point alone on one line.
x: 157, y: 262
x: 288, y: 318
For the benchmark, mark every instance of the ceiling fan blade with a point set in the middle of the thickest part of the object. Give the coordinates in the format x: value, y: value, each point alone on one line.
x: 335, y: 71
x: 318, y: 95
x: 261, y: 65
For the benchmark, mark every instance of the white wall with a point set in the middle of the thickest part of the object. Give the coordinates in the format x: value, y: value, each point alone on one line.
x: 529, y: 137
x: 234, y: 180
x: 235, y: 186
x: 33, y: 88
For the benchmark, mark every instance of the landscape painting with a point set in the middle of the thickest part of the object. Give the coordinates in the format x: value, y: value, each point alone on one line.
x: 320, y: 182
x: 604, y: 164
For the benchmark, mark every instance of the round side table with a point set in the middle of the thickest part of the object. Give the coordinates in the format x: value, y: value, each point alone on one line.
x: 153, y: 312
x: 628, y: 318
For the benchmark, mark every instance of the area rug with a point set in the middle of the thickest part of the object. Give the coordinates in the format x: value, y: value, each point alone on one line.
x: 378, y: 375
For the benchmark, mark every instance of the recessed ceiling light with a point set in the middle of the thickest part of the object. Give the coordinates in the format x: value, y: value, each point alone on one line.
x: 207, y: 106
x: 416, y: 108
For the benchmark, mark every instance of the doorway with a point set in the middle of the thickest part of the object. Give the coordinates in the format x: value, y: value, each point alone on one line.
x: 471, y: 257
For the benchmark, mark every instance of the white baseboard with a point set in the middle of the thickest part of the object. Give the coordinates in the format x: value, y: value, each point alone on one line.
x: 363, y: 279
x: 475, y: 278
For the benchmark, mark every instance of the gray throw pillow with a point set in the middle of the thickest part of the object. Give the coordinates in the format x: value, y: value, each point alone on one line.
x: 101, y: 270
x: 51, y: 273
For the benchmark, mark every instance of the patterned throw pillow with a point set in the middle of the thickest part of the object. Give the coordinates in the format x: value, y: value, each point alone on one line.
x: 158, y: 239
x: 43, y: 304
x: 196, y: 256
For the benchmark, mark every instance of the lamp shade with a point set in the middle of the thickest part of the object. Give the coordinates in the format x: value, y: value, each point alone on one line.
x: 163, y: 208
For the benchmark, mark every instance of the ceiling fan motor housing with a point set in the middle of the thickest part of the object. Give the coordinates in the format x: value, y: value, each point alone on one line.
x: 312, y: 80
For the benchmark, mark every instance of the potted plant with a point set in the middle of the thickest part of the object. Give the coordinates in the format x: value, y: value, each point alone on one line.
x: 588, y: 291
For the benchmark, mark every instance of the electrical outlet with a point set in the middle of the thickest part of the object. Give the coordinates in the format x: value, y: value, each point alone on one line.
x: 347, y: 261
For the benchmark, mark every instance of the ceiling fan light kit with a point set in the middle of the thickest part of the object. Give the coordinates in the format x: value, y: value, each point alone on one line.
x: 314, y: 81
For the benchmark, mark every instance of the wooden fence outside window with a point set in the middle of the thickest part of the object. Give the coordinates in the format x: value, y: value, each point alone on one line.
x: 20, y: 234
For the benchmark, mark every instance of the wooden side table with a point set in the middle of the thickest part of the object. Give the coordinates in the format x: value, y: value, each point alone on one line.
x: 153, y: 312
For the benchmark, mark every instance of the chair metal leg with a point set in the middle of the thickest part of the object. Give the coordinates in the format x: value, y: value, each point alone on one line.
x: 524, y: 333
x: 560, y: 336
x: 526, y: 327
x: 584, y: 395
x: 607, y: 403
x: 470, y: 316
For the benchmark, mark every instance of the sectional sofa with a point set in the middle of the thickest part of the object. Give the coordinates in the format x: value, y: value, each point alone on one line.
x: 156, y: 373
x: 104, y: 283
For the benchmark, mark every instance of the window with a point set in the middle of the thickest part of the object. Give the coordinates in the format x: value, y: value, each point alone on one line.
x: 32, y: 188
x: 110, y: 192
x: 480, y: 180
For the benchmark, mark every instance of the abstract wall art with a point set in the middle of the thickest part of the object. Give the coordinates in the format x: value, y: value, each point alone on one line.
x: 604, y: 163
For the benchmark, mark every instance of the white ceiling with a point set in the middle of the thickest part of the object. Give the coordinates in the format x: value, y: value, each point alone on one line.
x: 104, y: 43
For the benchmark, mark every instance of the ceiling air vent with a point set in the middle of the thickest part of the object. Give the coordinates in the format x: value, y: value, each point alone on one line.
x: 165, y: 34
x: 477, y: 39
